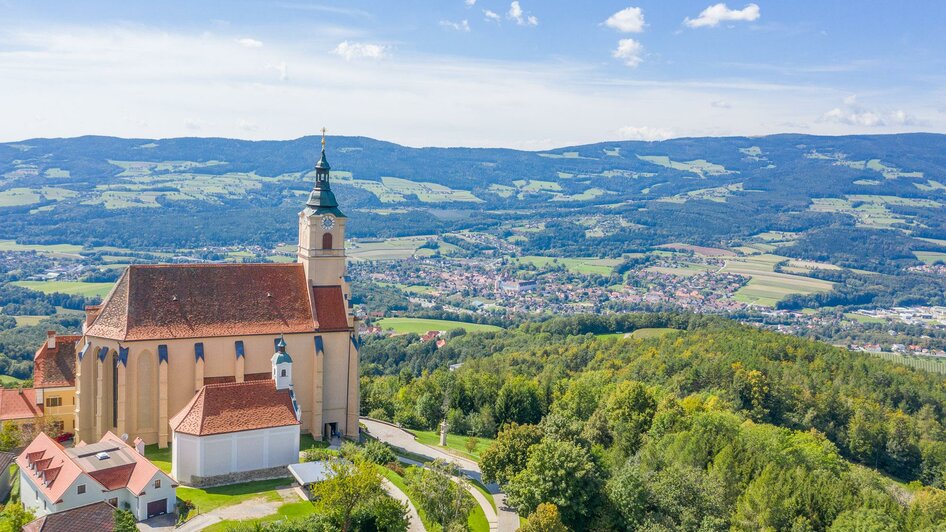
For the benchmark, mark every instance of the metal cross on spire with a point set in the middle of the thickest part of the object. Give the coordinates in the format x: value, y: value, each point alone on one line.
x: 323, y: 137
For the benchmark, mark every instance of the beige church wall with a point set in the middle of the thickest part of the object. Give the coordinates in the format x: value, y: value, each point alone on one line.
x: 337, y: 391
x: 142, y: 413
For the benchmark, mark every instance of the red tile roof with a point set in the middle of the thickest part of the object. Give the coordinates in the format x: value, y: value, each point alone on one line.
x: 115, y: 477
x: 235, y: 407
x: 330, y: 310
x: 96, y: 517
x: 19, y: 404
x: 46, y: 453
x: 56, y: 367
x: 208, y: 300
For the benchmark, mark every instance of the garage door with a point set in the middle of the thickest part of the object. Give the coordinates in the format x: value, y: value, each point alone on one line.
x: 157, y: 507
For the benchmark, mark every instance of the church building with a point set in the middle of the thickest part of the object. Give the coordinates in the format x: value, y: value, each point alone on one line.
x: 165, y: 332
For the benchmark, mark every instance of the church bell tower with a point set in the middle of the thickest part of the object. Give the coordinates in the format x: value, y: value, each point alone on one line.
x: 322, y: 231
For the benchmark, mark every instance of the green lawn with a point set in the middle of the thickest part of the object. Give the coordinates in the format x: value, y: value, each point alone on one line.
x: 208, y: 499
x: 422, y: 325
x: 159, y: 457
x: 477, y: 518
x: 289, y: 511
x: 455, y: 443
x: 77, y: 288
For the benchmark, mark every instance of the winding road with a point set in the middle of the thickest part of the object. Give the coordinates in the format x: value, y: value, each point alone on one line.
x: 504, y: 519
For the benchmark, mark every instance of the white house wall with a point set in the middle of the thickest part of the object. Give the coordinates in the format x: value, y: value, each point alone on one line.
x: 150, y: 494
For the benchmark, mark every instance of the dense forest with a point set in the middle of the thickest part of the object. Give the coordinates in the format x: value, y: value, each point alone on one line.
x: 714, y: 426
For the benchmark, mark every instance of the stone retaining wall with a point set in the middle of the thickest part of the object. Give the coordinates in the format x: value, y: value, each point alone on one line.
x: 238, y: 478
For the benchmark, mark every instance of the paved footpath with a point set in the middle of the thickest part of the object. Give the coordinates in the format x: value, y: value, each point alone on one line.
x: 507, y: 519
x: 415, y: 524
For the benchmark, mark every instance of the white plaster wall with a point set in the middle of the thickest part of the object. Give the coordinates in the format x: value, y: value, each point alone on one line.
x: 222, y: 454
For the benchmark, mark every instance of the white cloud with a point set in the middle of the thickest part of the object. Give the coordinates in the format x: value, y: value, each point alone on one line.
x: 720, y: 104
x: 629, y: 51
x: 516, y: 13
x: 647, y: 133
x: 629, y: 20
x: 491, y: 16
x: 853, y: 117
x: 471, y: 2
x: 901, y: 117
x: 281, y: 69
x: 853, y: 114
x: 246, y: 125
x: 249, y: 43
x: 463, y: 25
x: 193, y: 125
x: 357, y: 50
x: 714, y: 14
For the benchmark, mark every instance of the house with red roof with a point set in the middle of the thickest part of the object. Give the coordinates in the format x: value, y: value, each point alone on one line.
x: 54, y: 380
x: 164, y: 332
x: 236, y: 431
x: 55, y: 479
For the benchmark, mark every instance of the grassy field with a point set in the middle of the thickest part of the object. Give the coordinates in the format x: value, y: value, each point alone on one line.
x: 699, y: 250
x: 932, y: 364
x: 863, y: 318
x: 7, y: 380
x: 422, y: 325
x: 11, y: 245
x: 645, y: 332
x: 28, y: 320
x: 930, y: 257
x: 387, y: 249
x: 690, y: 269
x: 766, y: 287
x: 77, y: 288
x: 455, y: 443
x: 576, y: 265
x: 699, y: 167
x: 395, y: 190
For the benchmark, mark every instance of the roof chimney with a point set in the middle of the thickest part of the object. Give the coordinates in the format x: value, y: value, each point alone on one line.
x: 51, y: 339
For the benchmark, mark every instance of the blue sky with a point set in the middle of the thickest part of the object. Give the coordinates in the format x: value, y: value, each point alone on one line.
x: 531, y: 74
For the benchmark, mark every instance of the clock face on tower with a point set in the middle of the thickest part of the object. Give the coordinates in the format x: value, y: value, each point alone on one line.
x: 328, y: 222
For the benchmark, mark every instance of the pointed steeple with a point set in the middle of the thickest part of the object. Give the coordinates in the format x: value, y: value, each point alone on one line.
x: 321, y: 199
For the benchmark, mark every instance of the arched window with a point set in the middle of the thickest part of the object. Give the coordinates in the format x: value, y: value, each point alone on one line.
x: 327, y: 241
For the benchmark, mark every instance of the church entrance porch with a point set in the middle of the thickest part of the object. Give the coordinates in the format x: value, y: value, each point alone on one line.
x: 330, y: 431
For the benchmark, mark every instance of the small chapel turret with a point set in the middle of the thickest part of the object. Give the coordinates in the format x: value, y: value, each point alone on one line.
x: 282, y: 366
x: 322, y: 230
